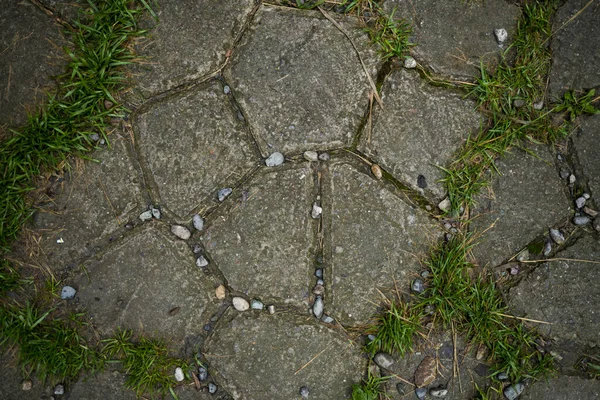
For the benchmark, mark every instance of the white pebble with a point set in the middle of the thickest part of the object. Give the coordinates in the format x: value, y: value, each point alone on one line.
x: 316, y: 211
x: 201, y: 262
x: 240, y: 304
x: 179, y: 374
x: 181, y: 232
x: 155, y: 212
x: 318, y: 307
x: 445, y: 205
x: 198, y: 222
x: 274, y: 159
x: 67, y: 292
x: 146, y: 216
x: 410, y: 63
x: 501, y: 35
x: 311, y: 156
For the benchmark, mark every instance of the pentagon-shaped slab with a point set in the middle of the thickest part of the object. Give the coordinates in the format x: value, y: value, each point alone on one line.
x: 29, y: 54
x: 376, y: 239
x: 190, y: 41
x: 303, y: 89
x: 563, y: 388
x: 265, y: 245
x: 91, y: 204
x: 421, y: 127
x: 452, y: 37
x: 564, y: 293
x: 575, y: 47
x: 525, y: 200
x: 138, y: 283
x: 272, y: 356
x: 588, y: 152
x: 192, y: 145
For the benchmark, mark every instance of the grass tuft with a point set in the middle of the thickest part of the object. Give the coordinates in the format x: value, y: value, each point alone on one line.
x: 369, y: 389
x: 396, y: 329
x: 392, y: 36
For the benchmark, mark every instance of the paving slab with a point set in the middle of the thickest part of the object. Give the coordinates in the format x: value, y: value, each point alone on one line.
x: 149, y: 283
x: 588, y: 152
x: 563, y: 388
x: 575, y: 48
x: 101, y: 386
x: 420, y: 129
x: 524, y: 201
x: 11, y: 380
x: 190, y: 41
x: 452, y: 37
x: 305, y: 89
x: 374, y: 241
x: 261, y: 356
x: 30, y: 54
x: 265, y: 246
x: 93, y: 203
x: 564, y: 293
x: 191, y: 146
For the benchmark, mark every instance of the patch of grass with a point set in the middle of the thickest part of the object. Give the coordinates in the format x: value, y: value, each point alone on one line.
x: 395, y: 329
x: 392, y: 36
x: 10, y: 278
x: 147, y: 363
x: 359, y: 7
x: 83, y: 104
x: 574, y: 106
x: 369, y: 389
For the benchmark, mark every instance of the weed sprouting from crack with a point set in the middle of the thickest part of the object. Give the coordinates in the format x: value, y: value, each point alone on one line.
x: 370, y: 389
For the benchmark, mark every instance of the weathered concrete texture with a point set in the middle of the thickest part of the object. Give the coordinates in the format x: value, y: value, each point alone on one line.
x: 269, y: 357
x: 90, y: 205
x: 526, y: 200
x: 376, y: 242
x: 563, y: 388
x: 452, y: 36
x: 192, y: 146
x: 575, y: 48
x: 190, y: 41
x: 421, y: 127
x: 30, y: 50
x: 104, y: 385
x: 302, y: 90
x: 588, y: 152
x: 11, y: 380
x: 265, y: 245
x: 564, y: 293
x: 138, y: 284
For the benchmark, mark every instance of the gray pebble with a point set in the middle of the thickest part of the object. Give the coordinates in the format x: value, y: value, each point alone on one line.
x: 581, y: 220
x: 438, y: 393
x: 580, y: 202
x: 226, y: 89
x: 304, y: 392
x: 256, y: 305
x: 67, y: 292
x: 212, y: 388
x: 514, y: 391
x: 196, y: 249
x: 181, y: 232
x: 417, y: 286
x: 201, y: 262
x: 410, y: 62
x: 311, y: 156
x: 202, y: 373
x: 547, y: 248
x: 572, y: 179
x: 324, y: 157
x: 59, y: 390
x: 586, y: 196
x: 318, y: 307
x: 371, y: 337
x: 224, y: 193
x: 146, y: 216
x: 503, y: 376
x: 198, y: 222
x: 384, y: 360
x: 320, y: 282
x: 420, y: 393
x: 155, y: 212
x: 316, y: 211
x: 94, y: 137
x: 538, y: 105
x: 518, y: 103
x: 102, y: 141
x: 424, y: 274
x: 318, y: 290
x: 445, y: 205
x: 240, y: 116
x: 274, y: 159
x: 319, y: 273
x: 564, y: 174
x: 327, y: 319
x: 271, y: 309
x: 557, y: 236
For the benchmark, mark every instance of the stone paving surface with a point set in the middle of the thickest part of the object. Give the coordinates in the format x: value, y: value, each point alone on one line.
x: 315, y: 244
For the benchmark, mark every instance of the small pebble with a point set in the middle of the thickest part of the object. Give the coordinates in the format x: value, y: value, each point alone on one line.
x: 311, y: 156
x: 410, y: 62
x: 102, y: 141
x: 503, y: 376
x: 224, y: 193
x: 564, y: 174
x: 220, y: 292
x: 514, y: 270
x: 514, y: 391
x: 445, y: 205
x: 26, y: 385
x: 240, y: 304
x: 538, y: 105
x: 198, y: 222
x: 59, y: 390
x: 316, y: 211
x: 201, y: 262
x: 304, y: 392
x: 181, y: 232
x: 421, y: 393
x: 581, y: 220
x: 318, y: 307
x: 424, y: 274
x: 557, y: 236
x: 376, y: 170
x: 324, y: 157
x: 318, y: 290
x: 417, y: 286
x: 580, y: 202
x: 67, y: 292
x: 327, y: 319
x: 518, y: 103
x: 202, y: 373
x: 274, y: 159
x: 320, y: 282
x: 256, y: 305
x: 590, y: 211
x: 94, y: 137
x: 586, y: 196
x: 319, y: 273
x: 572, y: 179
x: 155, y: 212
x: 384, y: 360
x: 179, y: 374
x: 226, y: 89
x: 438, y: 393
x: 212, y: 388
x: 196, y: 248
x: 271, y: 309
x: 547, y: 248
x: 421, y: 181
x: 501, y: 35
x: 146, y: 216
